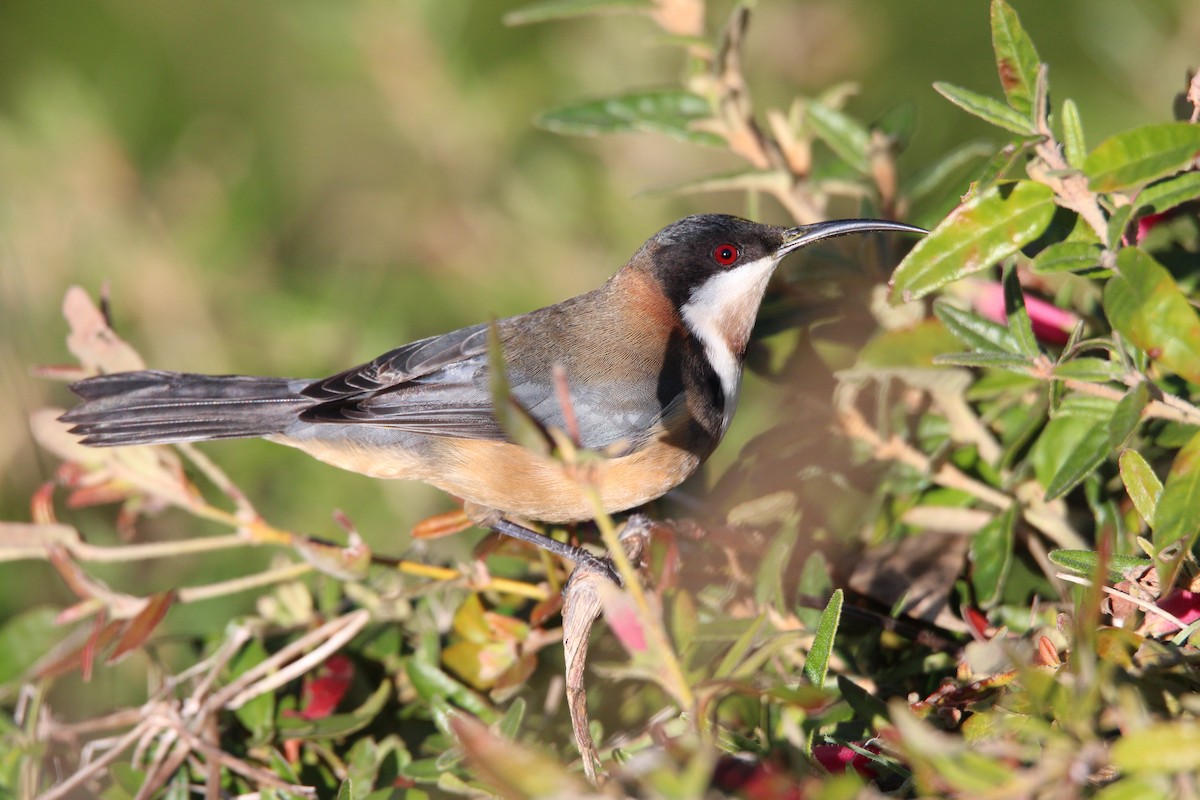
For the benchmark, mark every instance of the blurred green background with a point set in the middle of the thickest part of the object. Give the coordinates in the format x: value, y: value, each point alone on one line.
x: 293, y: 188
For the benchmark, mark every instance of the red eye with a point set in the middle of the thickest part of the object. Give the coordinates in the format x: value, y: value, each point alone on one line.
x: 726, y: 254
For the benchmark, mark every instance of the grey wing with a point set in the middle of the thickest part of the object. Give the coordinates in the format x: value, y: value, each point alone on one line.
x: 436, y: 386
x: 440, y: 387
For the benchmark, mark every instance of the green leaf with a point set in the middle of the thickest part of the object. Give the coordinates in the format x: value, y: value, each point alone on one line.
x: 510, y: 723
x: 1067, y: 451
x: 977, y: 234
x: 1086, y: 562
x: 1074, y: 144
x: 258, y: 715
x: 1118, y: 223
x: 1177, y: 515
x: 986, y: 108
x: 1141, y: 155
x: 734, y: 656
x: 846, y: 136
x: 26, y: 637
x: 567, y: 9
x: 1166, y: 747
x: 1090, y: 369
x: 1145, y: 305
x: 1017, y: 316
x: 1067, y: 257
x: 667, y: 111
x: 867, y: 707
x: 1141, y: 484
x: 1128, y: 415
x: 1170, y: 193
x: 977, y: 332
x: 1016, y: 59
x: 1018, y: 364
x: 1096, y: 409
x: 992, y: 553
x: 816, y: 666
x: 431, y: 683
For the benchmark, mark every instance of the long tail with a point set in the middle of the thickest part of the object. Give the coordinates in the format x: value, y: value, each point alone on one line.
x: 153, y: 407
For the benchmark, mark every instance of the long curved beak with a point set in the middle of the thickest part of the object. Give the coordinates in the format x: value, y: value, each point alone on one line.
x: 795, y: 238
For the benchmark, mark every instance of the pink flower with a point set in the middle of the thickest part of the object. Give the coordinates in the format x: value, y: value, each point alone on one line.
x: 1051, y: 324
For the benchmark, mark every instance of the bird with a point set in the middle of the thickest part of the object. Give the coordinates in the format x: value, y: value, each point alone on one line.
x: 651, y: 362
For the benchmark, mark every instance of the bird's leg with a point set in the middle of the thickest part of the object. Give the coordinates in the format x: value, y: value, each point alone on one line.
x: 493, y: 519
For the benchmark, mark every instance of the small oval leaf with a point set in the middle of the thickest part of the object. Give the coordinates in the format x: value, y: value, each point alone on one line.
x: 1141, y: 484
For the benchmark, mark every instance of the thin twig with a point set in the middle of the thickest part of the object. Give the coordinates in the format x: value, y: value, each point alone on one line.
x: 242, y: 689
x: 94, y: 768
x: 1146, y: 606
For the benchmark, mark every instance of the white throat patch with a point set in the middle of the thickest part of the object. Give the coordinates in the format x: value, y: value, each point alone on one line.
x: 720, y: 313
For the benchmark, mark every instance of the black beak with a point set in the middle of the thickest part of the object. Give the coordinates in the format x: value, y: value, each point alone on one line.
x: 795, y: 238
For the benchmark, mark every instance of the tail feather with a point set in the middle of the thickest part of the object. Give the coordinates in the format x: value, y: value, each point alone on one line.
x: 154, y: 407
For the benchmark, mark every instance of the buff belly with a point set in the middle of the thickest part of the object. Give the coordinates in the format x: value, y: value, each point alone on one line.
x: 510, y: 478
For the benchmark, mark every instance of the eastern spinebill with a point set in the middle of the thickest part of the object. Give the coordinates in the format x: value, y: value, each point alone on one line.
x: 652, y: 363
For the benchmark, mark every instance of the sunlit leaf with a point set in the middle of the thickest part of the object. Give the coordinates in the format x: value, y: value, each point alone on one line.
x: 1177, y: 516
x: 1079, y: 404
x: 431, y: 682
x: 567, y: 9
x: 1128, y: 414
x: 1142, y: 485
x: 1168, y: 194
x: 816, y: 666
x: 977, y: 332
x: 1074, y: 143
x: 1016, y: 59
x: 1066, y: 452
x: 1164, y: 747
x: 1145, y: 305
x: 671, y: 112
x: 1085, y: 562
x: 1090, y: 369
x: 1021, y: 365
x: 986, y: 108
x: 1141, y: 155
x: 977, y: 234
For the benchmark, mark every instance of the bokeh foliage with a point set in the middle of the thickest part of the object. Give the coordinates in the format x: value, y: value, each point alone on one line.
x: 248, y: 178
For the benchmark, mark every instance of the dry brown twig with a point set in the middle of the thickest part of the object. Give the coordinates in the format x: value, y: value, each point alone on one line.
x: 581, y: 607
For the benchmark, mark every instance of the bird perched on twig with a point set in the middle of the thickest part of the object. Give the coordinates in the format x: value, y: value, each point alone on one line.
x: 651, y: 362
